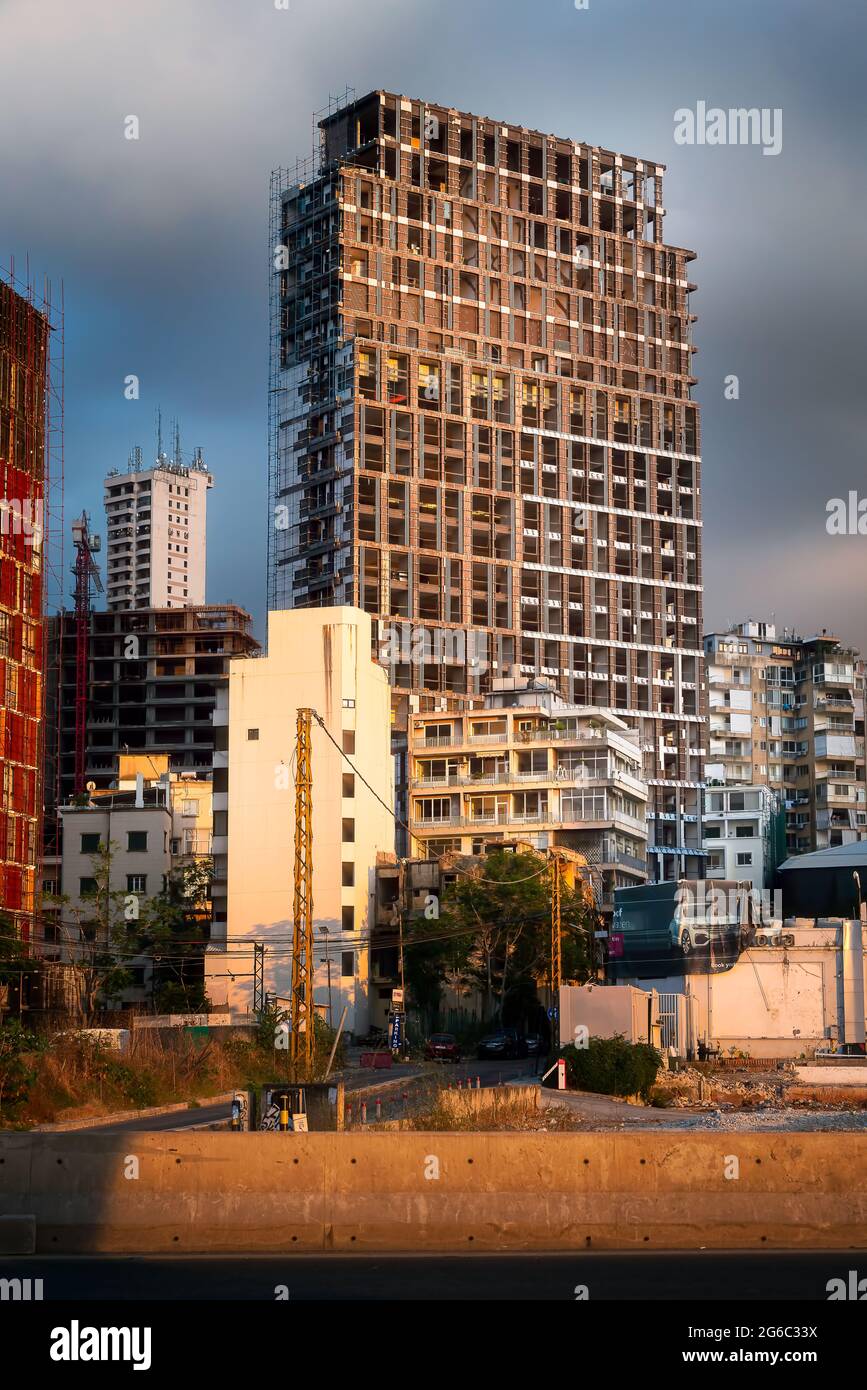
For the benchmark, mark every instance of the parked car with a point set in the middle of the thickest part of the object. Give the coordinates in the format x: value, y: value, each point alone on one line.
x: 505, y: 1042
x: 535, y: 1044
x: 442, y: 1047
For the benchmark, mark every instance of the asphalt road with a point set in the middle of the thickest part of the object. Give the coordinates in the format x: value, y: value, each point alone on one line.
x: 176, y: 1119
x: 490, y: 1073
x: 633, y: 1276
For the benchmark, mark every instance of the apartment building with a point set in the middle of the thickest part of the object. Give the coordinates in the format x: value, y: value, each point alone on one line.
x: 318, y: 659
x: 24, y: 348
x: 528, y: 763
x: 153, y: 677
x: 741, y: 828
x: 151, y: 823
x: 155, y: 552
x: 482, y: 431
x: 787, y: 712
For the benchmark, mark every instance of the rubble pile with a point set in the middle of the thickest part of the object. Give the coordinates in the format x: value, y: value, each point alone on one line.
x: 689, y: 1088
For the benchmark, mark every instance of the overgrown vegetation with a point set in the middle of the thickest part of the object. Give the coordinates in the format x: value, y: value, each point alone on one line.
x: 71, y: 1076
x: 450, y: 1110
x: 610, y: 1067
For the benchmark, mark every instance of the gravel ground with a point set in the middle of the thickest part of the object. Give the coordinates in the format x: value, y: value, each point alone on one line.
x: 598, y: 1113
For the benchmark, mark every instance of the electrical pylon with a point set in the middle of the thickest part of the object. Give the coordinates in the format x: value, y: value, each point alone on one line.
x: 556, y: 930
x: 301, y: 1037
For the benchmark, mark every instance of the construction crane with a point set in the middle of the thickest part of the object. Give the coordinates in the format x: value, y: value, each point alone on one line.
x: 303, y: 965
x: 86, y: 573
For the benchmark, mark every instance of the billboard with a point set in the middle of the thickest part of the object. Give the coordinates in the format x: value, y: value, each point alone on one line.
x: 695, y: 926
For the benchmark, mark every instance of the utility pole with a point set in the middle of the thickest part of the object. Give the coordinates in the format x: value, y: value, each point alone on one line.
x: 303, y: 965
x: 258, y: 977
x: 556, y: 940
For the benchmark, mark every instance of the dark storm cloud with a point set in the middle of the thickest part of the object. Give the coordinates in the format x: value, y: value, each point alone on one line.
x: 162, y: 242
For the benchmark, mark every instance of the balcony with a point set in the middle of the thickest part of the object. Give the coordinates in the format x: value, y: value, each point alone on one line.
x: 610, y: 854
x: 463, y: 779
x: 828, y: 745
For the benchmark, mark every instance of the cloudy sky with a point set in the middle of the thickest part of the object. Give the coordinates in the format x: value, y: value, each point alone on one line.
x: 162, y: 243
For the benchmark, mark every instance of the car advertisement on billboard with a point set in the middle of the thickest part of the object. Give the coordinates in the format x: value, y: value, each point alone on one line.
x: 695, y: 926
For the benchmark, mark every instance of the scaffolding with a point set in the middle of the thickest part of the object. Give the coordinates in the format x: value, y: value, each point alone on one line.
x: 31, y: 539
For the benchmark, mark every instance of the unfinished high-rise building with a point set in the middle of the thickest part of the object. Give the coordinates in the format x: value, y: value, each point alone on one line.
x: 482, y: 430
x: 25, y: 329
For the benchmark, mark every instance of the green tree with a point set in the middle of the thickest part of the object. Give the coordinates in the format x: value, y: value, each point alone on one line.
x: 172, y: 929
x: 95, y: 931
x: 499, y: 916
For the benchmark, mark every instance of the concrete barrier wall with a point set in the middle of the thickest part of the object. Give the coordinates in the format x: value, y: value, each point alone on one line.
x: 833, y: 1074
x: 208, y: 1192
x: 829, y: 1095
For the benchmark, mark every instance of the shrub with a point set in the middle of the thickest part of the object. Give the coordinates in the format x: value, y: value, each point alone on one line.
x: 610, y: 1067
x: 660, y: 1099
x: 16, y: 1076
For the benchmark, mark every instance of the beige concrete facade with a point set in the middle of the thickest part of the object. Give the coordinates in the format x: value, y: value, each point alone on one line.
x: 318, y: 658
x: 787, y: 712
x: 528, y: 763
x: 152, y: 823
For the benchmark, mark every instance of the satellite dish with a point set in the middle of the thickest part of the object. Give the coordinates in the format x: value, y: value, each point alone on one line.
x: 91, y: 786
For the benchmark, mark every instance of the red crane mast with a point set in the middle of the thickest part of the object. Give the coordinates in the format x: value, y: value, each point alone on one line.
x: 86, y: 573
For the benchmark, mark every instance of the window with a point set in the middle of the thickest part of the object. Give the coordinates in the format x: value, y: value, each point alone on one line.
x: 252, y: 734
x: 87, y: 887
x: 347, y: 919
x: 348, y: 879
x: 347, y: 964
x: 348, y: 741
x: 348, y: 830
x: 136, y: 841
x: 348, y: 784
x: 90, y: 844
x: 136, y: 883
x: 744, y: 859
x: 189, y: 808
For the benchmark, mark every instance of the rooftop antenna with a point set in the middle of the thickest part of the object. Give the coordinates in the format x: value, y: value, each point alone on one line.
x: 159, y: 433
x: 177, y: 444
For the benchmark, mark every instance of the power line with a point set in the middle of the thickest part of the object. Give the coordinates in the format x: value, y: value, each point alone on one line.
x: 403, y: 825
